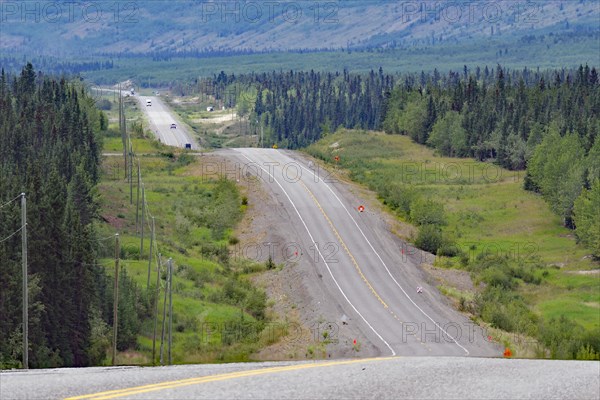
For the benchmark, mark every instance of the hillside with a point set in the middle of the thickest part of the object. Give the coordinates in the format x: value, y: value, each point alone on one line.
x: 74, y: 28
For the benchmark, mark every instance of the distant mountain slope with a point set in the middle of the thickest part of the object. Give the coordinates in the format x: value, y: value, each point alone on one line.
x: 86, y: 28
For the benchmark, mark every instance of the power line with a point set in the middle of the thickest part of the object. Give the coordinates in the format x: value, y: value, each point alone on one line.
x: 14, y: 233
x: 10, y: 201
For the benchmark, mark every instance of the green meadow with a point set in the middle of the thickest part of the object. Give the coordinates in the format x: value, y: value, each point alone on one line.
x: 487, y: 212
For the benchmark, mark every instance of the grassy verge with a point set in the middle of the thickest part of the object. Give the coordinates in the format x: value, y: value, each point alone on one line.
x: 218, y: 314
x: 216, y: 129
x: 478, y: 217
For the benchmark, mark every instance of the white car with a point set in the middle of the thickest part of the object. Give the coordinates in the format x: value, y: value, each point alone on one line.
x: 173, y: 126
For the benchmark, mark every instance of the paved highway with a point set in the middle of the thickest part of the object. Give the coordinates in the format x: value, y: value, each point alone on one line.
x: 373, y: 281
x: 382, y: 378
x: 428, y: 350
x: 161, y: 118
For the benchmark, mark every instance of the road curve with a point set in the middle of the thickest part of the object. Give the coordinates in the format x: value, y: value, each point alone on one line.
x: 373, y: 284
x: 160, y: 118
x: 373, y: 279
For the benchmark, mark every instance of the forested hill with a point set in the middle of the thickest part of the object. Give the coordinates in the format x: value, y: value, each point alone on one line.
x: 49, y: 151
x: 187, y: 26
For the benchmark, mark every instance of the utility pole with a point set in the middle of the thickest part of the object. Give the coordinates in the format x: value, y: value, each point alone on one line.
x: 122, y: 130
x: 262, y: 139
x: 130, y: 172
x: 156, y: 304
x: 25, y: 283
x: 164, y: 318
x: 170, y: 308
x: 137, y: 207
x: 116, y: 299
x: 142, y: 241
x: 150, y: 253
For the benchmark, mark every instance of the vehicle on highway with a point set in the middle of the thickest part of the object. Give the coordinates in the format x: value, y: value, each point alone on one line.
x: 173, y: 126
x: 148, y: 103
x: 188, y: 145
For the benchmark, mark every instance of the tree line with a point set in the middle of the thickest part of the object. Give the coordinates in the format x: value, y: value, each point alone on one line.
x: 49, y: 150
x: 544, y: 122
x: 296, y: 108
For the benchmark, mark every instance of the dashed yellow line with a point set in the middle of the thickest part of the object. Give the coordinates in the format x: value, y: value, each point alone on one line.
x: 364, y: 278
x: 111, y: 394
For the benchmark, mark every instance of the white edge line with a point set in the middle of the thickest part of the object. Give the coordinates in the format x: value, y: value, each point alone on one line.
x: 382, y: 262
x: 323, y: 258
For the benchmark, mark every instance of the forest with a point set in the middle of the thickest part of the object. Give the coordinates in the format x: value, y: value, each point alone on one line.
x: 49, y: 150
x: 542, y: 122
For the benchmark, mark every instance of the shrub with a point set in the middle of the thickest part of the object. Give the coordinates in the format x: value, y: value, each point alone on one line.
x: 505, y: 310
x: 270, y: 264
x: 563, y: 337
x: 429, y: 238
x: 400, y: 198
x: 104, y: 104
x: 427, y: 212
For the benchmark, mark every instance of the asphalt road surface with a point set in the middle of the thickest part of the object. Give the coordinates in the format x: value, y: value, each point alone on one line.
x: 161, y: 118
x: 428, y: 349
x: 374, y: 281
x: 381, y: 378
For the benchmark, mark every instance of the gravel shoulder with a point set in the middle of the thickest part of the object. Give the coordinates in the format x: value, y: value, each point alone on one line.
x: 296, y: 291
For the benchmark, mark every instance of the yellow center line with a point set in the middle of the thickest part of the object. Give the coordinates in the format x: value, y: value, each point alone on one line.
x: 111, y: 394
x: 351, y: 256
x: 364, y: 278
x: 353, y: 259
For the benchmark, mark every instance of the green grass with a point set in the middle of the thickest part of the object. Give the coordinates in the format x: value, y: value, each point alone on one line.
x: 587, y: 315
x: 494, y: 215
x: 177, y: 196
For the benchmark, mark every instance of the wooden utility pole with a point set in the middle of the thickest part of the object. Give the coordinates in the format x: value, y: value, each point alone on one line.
x: 25, y: 283
x: 164, y: 319
x: 137, y: 207
x: 122, y: 131
x: 156, y: 304
x: 170, y: 308
x: 142, y: 228
x: 150, y: 254
x: 130, y: 171
x: 116, y: 300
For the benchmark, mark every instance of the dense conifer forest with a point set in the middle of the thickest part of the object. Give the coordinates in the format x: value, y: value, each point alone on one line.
x: 544, y: 122
x: 50, y: 150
